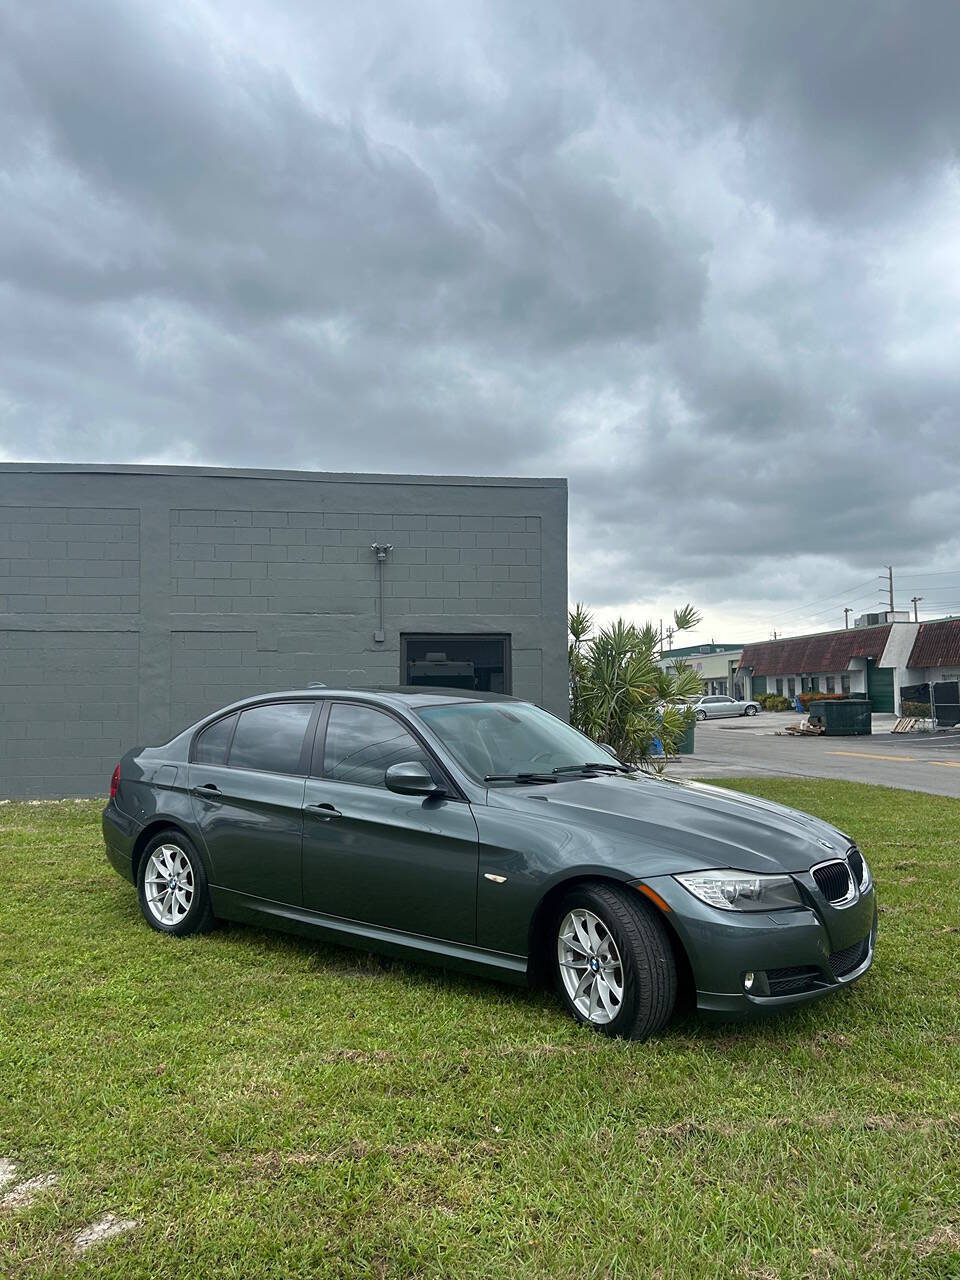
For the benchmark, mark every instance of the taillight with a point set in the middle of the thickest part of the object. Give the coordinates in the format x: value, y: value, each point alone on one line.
x: 114, y: 782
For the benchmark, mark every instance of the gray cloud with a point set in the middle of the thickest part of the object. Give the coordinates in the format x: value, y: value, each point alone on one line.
x: 700, y: 258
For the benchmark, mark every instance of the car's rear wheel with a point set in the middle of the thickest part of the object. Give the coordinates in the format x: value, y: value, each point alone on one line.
x: 614, y: 963
x: 701, y: 715
x: 172, y: 886
x: 750, y: 711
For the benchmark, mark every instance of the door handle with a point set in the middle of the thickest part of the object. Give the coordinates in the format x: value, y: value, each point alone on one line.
x: 323, y: 811
x: 210, y: 790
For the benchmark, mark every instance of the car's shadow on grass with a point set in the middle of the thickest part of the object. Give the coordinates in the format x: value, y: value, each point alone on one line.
x: 687, y: 1025
x: 687, y: 1028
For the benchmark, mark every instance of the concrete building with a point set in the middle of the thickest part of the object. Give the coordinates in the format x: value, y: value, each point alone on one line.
x: 716, y: 664
x: 135, y: 599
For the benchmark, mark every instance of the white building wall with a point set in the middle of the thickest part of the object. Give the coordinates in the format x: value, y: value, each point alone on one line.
x: 857, y: 677
x: 896, y: 654
x: 712, y: 668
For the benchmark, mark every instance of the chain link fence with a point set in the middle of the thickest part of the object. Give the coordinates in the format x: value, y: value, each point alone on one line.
x: 938, y: 702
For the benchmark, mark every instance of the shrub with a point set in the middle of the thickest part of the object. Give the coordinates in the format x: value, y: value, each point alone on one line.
x: 774, y: 702
x: 618, y: 693
x: 919, y: 709
x: 810, y: 696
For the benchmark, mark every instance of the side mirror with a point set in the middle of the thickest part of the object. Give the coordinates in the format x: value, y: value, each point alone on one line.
x: 411, y: 779
x: 605, y: 746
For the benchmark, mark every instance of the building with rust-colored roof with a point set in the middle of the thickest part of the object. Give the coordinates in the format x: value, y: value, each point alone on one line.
x: 937, y: 648
x: 866, y: 660
x: 889, y: 660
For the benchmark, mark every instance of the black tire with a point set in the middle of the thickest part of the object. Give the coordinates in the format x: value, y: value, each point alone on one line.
x: 649, y: 971
x: 700, y: 715
x: 199, y: 917
x: 750, y: 711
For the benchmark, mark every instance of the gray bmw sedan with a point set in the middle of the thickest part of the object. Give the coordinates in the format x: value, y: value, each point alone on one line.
x: 481, y: 833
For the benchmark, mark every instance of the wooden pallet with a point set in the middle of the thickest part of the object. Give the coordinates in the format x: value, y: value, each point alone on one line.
x: 805, y: 729
x: 911, y: 724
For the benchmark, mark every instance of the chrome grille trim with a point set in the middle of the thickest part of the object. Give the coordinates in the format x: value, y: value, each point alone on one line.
x: 829, y: 883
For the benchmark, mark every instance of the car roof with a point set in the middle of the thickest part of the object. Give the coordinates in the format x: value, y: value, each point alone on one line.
x: 388, y: 695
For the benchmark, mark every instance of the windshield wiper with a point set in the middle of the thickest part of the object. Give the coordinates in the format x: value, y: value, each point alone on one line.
x: 599, y: 766
x: 519, y: 777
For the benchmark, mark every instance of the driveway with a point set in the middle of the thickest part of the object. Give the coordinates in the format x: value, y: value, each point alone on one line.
x: 760, y: 746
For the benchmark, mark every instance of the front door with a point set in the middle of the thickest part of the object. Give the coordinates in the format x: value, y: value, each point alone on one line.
x: 401, y: 862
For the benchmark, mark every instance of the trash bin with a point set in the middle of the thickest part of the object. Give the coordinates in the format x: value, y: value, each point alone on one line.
x: 685, y: 741
x: 842, y: 717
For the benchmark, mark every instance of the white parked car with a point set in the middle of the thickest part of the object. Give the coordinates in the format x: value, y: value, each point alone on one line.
x: 716, y: 705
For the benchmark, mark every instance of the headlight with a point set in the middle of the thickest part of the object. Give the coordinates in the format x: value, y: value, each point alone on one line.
x: 742, y: 891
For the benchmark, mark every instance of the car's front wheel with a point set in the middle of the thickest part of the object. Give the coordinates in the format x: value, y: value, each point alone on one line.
x: 701, y: 715
x: 172, y: 886
x: 614, y: 963
x: 750, y: 711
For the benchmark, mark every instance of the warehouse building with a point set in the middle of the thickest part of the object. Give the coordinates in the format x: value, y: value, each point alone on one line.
x: 135, y: 599
x: 871, y: 659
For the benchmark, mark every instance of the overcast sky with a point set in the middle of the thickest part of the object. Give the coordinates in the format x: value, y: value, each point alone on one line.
x: 703, y: 259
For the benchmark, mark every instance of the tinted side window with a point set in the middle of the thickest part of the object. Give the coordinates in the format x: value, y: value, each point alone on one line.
x: 271, y: 737
x: 362, y: 743
x: 211, y: 745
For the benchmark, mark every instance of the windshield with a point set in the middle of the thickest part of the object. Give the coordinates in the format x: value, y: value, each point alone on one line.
x: 497, y: 738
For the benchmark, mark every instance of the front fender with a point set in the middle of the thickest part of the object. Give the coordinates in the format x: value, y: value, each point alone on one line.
x: 524, y: 856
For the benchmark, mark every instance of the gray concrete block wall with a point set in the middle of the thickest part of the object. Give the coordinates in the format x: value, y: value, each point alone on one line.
x: 77, y: 559
x: 69, y: 709
x: 133, y: 600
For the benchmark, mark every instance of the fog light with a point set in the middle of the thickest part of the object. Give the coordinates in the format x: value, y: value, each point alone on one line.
x: 747, y: 981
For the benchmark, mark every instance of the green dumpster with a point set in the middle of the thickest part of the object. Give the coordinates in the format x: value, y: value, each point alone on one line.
x: 842, y: 717
x: 685, y: 741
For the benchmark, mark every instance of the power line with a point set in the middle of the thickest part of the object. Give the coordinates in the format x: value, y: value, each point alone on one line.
x: 836, y: 608
x: 931, y: 573
x: 801, y: 607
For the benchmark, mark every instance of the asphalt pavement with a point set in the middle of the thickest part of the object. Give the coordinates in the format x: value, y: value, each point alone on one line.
x: 759, y: 746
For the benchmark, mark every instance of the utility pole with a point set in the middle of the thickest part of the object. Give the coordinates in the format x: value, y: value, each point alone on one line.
x: 890, y: 578
x: 846, y: 618
x: 915, y: 600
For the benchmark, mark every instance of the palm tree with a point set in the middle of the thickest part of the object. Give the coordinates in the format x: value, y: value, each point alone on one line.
x: 619, y: 694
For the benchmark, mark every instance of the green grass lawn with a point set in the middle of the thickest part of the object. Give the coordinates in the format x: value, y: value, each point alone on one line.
x: 267, y: 1107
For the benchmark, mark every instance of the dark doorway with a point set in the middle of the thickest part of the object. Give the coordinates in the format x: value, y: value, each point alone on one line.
x: 479, y: 662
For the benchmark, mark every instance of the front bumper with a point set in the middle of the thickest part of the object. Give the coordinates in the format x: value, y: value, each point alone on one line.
x: 807, y: 953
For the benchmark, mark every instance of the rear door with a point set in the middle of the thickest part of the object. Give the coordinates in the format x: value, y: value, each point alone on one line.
x: 401, y: 862
x: 247, y: 779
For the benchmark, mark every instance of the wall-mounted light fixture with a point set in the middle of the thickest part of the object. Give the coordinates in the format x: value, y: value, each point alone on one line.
x: 381, y: 550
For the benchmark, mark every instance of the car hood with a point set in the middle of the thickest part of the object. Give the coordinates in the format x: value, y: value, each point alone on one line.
x: 706, y: 826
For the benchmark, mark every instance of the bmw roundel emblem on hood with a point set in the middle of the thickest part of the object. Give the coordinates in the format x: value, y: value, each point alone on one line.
x: 827, y: 845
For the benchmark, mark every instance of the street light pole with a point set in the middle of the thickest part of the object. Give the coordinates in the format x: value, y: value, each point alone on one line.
x: 915, y: 600
x: 846, y: 618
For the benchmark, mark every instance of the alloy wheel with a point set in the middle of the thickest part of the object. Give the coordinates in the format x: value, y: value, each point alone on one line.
x: 168, y: 884
x: 590, y: 966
